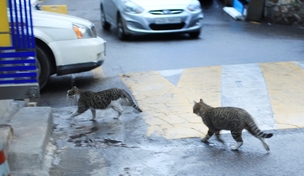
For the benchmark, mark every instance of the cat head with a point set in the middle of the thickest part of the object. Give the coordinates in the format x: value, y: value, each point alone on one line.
x: 197, y: 106
x: 74, y: 90
x: 200, y: 107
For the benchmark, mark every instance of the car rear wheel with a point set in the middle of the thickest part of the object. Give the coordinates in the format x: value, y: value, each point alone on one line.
x: 105, y: 25
x: 43, y: 66
x: 120, y: 30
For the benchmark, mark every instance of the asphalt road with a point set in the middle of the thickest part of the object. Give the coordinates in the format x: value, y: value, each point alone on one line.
x: 223, y: 41
x: 122, y: 147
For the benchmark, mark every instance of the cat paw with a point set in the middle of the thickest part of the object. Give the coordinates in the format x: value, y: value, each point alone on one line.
x: 234, y: 148
x: 237, y: 146
x: 204, y: 140
x: 267, y: 148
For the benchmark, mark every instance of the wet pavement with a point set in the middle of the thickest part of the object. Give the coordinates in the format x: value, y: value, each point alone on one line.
x: 165, y: 138
x: 121, y: 147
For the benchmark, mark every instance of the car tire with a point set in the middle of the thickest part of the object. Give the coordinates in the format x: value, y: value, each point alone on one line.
x: 43, y: 66
x: 194, y: 34
x: 121, y: 30
x: 105, y: 25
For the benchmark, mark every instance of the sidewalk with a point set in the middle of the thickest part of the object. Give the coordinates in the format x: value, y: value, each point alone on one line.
x: 272, y: 92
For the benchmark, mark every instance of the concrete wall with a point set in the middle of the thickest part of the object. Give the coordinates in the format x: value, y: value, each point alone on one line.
x: 288, y: 12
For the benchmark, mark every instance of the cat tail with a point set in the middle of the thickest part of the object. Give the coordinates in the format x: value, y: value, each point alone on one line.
x: 128, y: 96
x: 254, y: 130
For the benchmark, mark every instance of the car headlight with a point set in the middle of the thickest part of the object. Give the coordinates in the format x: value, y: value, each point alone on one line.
x: 194, y: 6
x: 82, y: 31
x: 131, y: 7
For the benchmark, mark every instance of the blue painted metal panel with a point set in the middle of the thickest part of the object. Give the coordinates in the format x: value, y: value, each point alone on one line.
x: 18, y: 63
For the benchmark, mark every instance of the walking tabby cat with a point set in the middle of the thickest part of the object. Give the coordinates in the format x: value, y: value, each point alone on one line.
x: 110, y: 98
x: 228, y: 118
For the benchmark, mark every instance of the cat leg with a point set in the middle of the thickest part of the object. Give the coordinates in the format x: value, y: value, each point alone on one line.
x: 237, y: 136
x: 208, y: 136
x: 117, y: 107
x: 237, y: 146
x: 93, y: 114
x: 261, y: 139
x: 76, y: 113
x: 218, y: 137
x: 80, y: 110
x: 264, y: 143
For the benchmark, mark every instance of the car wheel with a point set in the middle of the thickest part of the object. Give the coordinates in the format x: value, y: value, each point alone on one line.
x: 195, y: 34
x: 120, y: 30
x: 105, y: 25
x: 43, y: 66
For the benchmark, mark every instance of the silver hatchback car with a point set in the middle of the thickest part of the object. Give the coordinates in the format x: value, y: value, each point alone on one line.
x: 133, y: 17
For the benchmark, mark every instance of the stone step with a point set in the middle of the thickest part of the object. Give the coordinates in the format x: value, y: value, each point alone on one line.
x: 32, y: 127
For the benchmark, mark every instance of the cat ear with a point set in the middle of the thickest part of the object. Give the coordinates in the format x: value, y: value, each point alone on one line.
x: 201, y: 101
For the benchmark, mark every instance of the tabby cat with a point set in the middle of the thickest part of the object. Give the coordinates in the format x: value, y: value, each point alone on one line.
x: 228, y: 118
x: 110, y: 98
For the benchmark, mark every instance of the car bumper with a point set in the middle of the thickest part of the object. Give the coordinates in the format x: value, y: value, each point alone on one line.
x: 190, y: 22
x: 73, y: 56
x: 77, y: 68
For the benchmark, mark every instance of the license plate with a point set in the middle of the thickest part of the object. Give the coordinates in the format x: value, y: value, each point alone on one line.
x: 167, y: 20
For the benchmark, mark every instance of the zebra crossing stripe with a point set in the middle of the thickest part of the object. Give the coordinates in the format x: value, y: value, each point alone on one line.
x: 285, y: 85
x: 244, y: 86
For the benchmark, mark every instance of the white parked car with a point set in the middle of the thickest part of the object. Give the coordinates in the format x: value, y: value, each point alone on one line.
x: 65, y: 44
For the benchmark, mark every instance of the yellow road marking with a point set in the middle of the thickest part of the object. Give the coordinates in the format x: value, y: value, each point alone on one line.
x: 285, y: 84
x: 167, y: 108
x: 204, y: 82
x: 166, y: 111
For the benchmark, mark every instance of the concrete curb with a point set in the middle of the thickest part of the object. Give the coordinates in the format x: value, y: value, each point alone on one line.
x: 32, y: 127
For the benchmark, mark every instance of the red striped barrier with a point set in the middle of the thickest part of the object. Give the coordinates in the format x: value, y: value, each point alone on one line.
x: 4, y: 169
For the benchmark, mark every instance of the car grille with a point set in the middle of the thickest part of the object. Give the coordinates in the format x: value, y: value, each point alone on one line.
x: 166, y: 12
x: 167, y: 26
